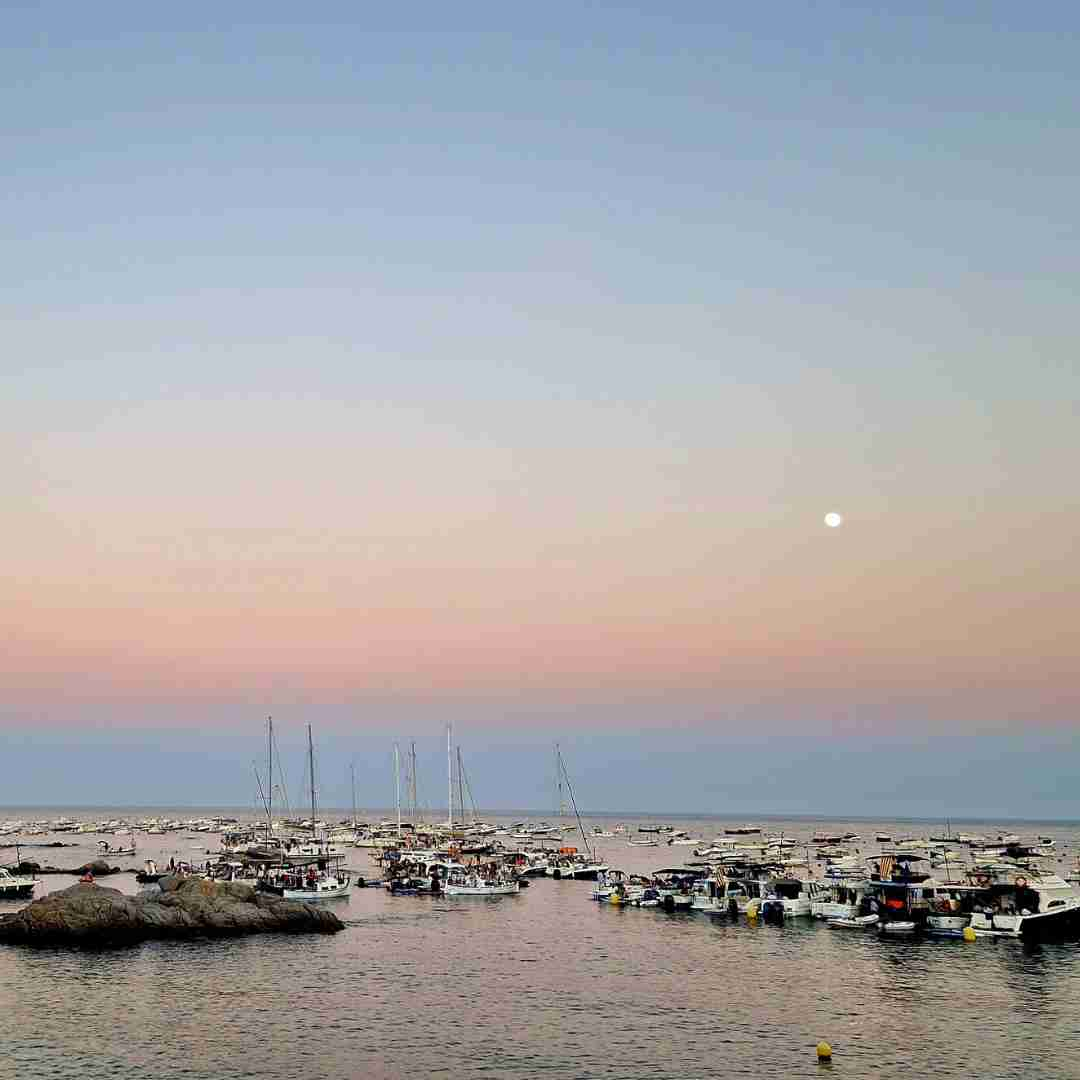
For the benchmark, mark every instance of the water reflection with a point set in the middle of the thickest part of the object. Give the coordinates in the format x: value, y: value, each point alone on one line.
x: 543, y: 984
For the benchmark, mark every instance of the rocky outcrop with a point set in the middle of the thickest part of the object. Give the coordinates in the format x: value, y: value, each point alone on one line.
x: 185, y: 908
x: 97, y: 867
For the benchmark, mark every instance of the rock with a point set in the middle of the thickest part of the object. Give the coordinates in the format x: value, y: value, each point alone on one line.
x: 97, y: 867
x: 185, y: 908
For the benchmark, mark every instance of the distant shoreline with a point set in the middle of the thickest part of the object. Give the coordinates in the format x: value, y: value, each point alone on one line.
x: 615, y: 815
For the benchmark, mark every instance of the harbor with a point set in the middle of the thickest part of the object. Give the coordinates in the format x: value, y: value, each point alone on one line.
x: 993, y: 884
x: 673, y: 991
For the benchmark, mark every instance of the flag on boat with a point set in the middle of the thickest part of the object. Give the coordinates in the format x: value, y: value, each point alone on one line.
x: 885, y: 867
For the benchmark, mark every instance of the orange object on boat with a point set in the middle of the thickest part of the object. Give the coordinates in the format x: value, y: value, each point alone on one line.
x: 568, y: 851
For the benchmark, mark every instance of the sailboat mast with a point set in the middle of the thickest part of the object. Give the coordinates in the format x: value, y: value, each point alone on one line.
x: 397, y: 786
x: 412, y: 784
x: 560, y: 804
x: 270, y: 773
x: 449, y: 776
x: 311, y: 770
x: 460, y: 789
x: 565, y: 775
x: 352, y: 776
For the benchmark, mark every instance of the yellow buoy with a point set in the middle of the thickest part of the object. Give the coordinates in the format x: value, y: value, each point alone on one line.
x: 969, y: 934
x: 824, y: 1051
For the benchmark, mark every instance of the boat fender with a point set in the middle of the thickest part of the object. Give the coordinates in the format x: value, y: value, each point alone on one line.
x: 360, y: 883
x: 669, y: 903
x: 557, y: 874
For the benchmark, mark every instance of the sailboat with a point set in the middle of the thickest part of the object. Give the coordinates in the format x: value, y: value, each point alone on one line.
x: 568, y: 862
x: 492, y: 879
x: 313, y: 873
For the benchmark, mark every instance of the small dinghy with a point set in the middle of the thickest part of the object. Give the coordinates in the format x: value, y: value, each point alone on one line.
x: 859, y: 922
x: 898, y: 926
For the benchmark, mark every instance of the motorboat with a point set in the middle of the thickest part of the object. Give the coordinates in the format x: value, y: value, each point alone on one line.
x: 788, y: 897
x: 618, y: 887
x: 464, y: 882
x: 322, y: 879
x: 14, y: 886
x: 1031, y: 905
x: 573, y: 867
x: 116, y: 851
x: 839, y: 899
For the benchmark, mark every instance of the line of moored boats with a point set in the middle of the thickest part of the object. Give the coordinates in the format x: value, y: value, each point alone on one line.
x: 1001, y: 886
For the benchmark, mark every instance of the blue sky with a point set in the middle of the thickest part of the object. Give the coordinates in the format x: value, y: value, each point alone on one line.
x: 494, y: 362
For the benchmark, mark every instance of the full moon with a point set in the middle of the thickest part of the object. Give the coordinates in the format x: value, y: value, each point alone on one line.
x: 833, y: 519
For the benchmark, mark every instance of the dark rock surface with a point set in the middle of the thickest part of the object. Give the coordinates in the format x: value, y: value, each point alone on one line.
x: 97, y: 867
x: 185, y: 908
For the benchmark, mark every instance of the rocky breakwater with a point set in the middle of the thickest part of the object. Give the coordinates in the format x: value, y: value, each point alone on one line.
x: 184, y: 908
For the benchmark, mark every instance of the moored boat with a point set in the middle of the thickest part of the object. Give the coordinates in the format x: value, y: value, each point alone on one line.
x: 15, y: 886
x: 856, y: 922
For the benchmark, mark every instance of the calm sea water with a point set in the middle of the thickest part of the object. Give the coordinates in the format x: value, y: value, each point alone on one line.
x: 543, y: 984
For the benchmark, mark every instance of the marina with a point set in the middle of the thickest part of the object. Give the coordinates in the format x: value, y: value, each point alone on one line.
x: 643, y: 948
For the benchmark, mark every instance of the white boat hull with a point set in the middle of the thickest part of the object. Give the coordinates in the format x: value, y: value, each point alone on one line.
x: 324, y: 890
x: 898, y: 926
x: 858, y: 922
x: 504, y: 889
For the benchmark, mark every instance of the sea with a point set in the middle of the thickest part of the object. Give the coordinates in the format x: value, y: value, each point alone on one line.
x: 544, y: 984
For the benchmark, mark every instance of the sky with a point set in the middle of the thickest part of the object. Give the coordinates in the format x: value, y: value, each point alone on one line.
x: 490, y: 364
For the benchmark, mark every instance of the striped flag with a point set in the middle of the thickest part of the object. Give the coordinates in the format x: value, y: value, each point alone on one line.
x: 885, y: 867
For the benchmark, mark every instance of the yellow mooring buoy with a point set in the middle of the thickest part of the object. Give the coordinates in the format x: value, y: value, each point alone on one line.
x: 969, y: 934
x: 824, y: 1051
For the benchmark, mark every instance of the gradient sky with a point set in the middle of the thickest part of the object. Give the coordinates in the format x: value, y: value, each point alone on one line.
x: 371, y: 368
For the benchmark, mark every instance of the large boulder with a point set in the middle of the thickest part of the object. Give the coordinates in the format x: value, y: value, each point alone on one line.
x: 97, y: 867
x: 186, y: 907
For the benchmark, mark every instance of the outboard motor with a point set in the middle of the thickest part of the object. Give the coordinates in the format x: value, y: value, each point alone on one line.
x: 772, y: 911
